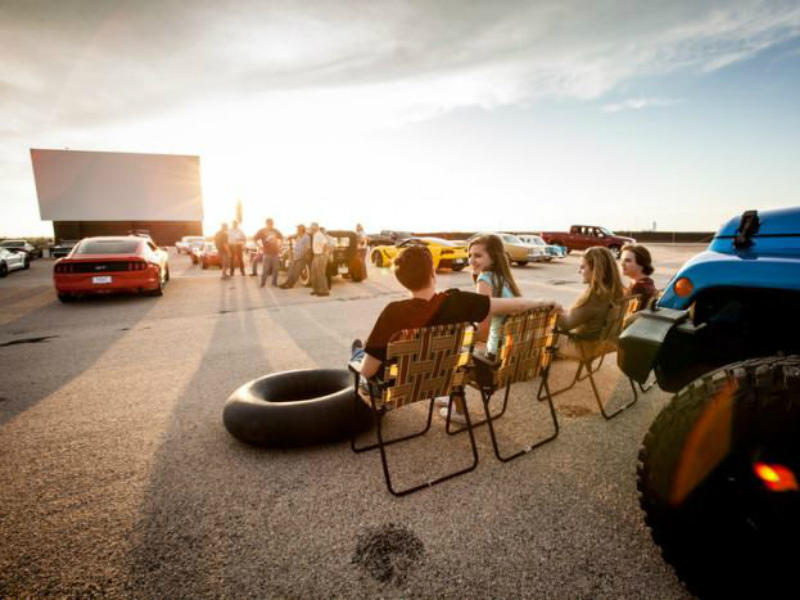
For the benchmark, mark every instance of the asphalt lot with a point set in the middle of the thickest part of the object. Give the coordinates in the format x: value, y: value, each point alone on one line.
x: 118, y: 479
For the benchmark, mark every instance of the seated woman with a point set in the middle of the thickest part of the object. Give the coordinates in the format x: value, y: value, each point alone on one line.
x: 637, y: 265
x: 587, y: 316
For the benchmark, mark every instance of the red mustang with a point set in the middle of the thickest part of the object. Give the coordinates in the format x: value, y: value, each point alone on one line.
x: 102, y: 265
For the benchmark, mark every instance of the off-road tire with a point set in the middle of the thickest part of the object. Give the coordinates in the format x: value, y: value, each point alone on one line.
x: 728, y: 537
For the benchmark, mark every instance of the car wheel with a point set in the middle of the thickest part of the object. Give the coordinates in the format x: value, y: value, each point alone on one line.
x: 377, y: 259
x: 458, y: 268
x: 26, y: 264
x: 204, y: 265
x: 159, y: 291
x: 615, y: 250
x: 64, y: 297
x: 3, y: 269
x: 166, y: 275
x: 305, y: 276
x: 522, y: 263
x: 720, y: 525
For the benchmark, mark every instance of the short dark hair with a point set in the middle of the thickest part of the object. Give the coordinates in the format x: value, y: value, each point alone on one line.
x: 643, y: 258
x: 413, y: 267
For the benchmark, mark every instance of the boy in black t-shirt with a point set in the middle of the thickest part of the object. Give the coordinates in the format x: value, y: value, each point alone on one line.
x: 426, y: 307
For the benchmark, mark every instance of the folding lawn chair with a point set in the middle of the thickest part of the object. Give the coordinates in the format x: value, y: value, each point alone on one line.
x: 421, y: 364
x: 522, y: 356
x: 594, y: 348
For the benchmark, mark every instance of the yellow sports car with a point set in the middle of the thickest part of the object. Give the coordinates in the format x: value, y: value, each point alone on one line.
x: 446, y: 254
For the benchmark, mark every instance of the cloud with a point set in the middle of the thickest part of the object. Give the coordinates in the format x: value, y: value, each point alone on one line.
x: 638, y: 104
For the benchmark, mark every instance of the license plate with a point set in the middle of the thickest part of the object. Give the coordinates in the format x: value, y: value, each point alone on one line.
x: 102, y: 279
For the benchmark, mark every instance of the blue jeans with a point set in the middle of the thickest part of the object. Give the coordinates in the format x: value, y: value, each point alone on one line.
x: 269, y: 265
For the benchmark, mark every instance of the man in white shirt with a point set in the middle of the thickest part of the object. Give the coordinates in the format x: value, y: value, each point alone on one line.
x: 236, y: 241
x: 319, y: 264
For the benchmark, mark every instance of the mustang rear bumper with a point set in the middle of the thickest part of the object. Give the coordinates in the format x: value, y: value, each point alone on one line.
x: 92, y: 283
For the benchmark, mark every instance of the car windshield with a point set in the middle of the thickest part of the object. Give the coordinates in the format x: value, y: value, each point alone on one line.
x: 108, y: 246
x: 606, y: 232
x: 536, y: 240
x: 511, y: 239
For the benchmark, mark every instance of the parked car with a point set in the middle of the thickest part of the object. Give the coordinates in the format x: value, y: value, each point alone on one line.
x: 22, y: 246
x: 387, y: 237
x: 12, y: 261
x: 102, y: 265
x: 516, y: 251
x: 581, y: 237
x: 718, y: 470
x: 195, y: 248
x: 183, y: 246
x: 446, y: 254
x: 551, y: 251
x: 62, y: 248
x: 208, y: 256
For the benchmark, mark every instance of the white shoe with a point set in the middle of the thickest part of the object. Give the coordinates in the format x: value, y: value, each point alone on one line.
x: 455, y: 416
x: 441, y: 401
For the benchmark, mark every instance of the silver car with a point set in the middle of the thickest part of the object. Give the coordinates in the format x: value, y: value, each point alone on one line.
x: 13, y: 261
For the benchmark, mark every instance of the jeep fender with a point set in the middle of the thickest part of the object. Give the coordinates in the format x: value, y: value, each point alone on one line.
x: 643, y: 338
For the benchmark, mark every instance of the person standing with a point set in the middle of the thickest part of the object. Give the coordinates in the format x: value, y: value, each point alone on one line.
x: 236, y: 241
x: 301, y: 257
x: 269, y: 239
x: 221, y: 242
x: 319, y: 264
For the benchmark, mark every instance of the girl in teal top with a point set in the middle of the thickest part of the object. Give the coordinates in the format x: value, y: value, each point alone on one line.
x: 492, y: 274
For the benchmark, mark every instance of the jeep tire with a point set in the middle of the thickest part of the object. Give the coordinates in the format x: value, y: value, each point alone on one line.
x: 727, y: 535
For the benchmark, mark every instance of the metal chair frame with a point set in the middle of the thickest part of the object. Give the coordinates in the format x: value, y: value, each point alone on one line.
x: 421, y: 364
x: 522, y: 356
x: 604, y: 343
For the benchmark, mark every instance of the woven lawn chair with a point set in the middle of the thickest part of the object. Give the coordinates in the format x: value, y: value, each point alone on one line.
x: 592, y: 349
x: 522, y: 356
x: 421, y: 364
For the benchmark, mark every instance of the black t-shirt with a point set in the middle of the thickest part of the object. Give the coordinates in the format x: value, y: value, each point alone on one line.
x: 452, y: 306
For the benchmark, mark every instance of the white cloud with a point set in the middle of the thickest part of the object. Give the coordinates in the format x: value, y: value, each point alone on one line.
x: 638, y: 104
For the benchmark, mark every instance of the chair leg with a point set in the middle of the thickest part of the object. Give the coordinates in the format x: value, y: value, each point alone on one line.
x: 489, y: 419
x: 482, y: 421
x: 647, y: 385
x: 575, y: 380
x: 609, y: 416
x: 592, y: 369
x: 378, y: 416
x: 430, y: 482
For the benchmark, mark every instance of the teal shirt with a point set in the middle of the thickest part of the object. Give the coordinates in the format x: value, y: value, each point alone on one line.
x: 496, y: 327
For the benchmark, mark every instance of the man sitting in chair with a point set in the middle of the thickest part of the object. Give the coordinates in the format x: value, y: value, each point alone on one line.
x: 427, y: 307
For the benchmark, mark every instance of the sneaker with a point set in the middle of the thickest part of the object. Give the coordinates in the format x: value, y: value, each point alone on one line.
x: 455, y: 417
x: 442, y: 401
x: 356, y: 345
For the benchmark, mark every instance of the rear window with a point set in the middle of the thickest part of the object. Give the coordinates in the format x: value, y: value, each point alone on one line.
x: 108, y: 246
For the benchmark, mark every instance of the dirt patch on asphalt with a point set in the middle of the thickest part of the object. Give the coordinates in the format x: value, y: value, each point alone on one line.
x: 387, y: 553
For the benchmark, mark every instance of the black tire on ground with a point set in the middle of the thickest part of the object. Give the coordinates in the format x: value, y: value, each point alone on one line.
x: 377, y: 259
x: 728, y: 535
x: 458, y: 268
x: 3, y: 269
x: 522, y: 263
x: 296, y: 408
x: 64, y: 297
x: 159, y: 291
x: 166, y: 275
x: 204, y: 265
x: 27, y: 264
x: 194, y: 259
x: 615, y: 250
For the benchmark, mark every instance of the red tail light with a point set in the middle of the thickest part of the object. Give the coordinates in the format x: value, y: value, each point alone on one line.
x: 776, y: 477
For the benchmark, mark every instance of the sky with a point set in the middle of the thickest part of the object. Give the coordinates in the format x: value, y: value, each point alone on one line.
x: 422, y: 115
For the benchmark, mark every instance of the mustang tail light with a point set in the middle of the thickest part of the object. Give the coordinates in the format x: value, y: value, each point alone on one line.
x: 137, y: 265
x: 65, y: 268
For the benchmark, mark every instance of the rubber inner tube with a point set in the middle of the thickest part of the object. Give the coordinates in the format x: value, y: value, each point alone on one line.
x: 296, y: 408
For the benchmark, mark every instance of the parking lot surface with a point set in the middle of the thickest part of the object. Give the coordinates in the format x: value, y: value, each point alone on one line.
x: 118, y: 478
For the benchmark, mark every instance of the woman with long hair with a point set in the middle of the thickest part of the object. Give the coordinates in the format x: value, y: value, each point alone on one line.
x: 492, y: 275
x: 587, y: 316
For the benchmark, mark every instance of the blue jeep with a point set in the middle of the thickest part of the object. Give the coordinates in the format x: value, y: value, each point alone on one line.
x: 719, y: 468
